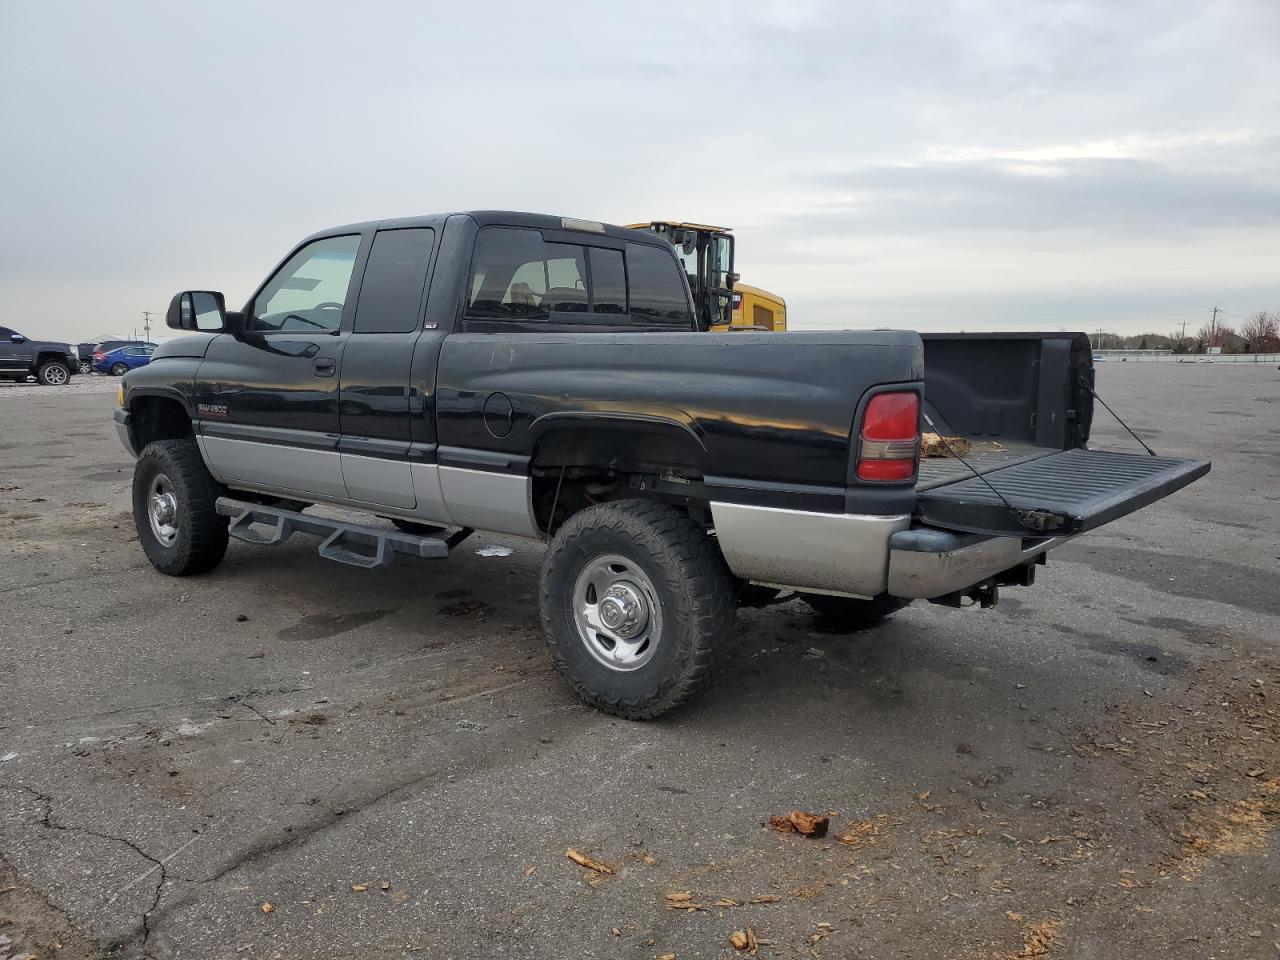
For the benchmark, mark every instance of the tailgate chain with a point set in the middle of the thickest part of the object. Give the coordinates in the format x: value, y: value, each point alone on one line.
x: 1035, y: 520
x: 1084, y: 382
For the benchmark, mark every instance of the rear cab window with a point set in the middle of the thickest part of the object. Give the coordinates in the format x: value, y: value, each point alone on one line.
x: 519, y: 281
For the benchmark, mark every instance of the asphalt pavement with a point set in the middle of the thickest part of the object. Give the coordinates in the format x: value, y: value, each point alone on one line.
x: 289, y: 758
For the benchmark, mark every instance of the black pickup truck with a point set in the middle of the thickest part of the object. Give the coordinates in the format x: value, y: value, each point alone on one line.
x: 545, y: 378
x: 52, y: 364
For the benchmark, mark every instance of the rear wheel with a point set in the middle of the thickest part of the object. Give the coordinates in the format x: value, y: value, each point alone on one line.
x: 86, y: 366
x: 173, y: 509
x: 53, y: 374
x: 636, y: 604
x: 846, y: 613
x: 119, y: 369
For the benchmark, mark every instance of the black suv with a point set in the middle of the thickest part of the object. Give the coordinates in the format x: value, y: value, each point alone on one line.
x: 51, y: 363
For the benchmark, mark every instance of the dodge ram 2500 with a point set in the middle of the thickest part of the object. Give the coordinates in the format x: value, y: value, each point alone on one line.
x: 545, y: 378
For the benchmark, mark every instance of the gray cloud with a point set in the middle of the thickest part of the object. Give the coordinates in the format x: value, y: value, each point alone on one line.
x: 1096, y: 194
x: 151, y: 146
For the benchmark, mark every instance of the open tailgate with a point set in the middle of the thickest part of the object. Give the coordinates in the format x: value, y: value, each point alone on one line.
x: 1057, y: 495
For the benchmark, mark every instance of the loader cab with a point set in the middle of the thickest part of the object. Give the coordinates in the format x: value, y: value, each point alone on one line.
x: 706, y: 253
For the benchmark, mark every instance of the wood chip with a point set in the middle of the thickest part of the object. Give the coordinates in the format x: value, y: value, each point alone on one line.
x: 682, y: 900
x: 744, y: 940
x: 860, y: 832
x: 726, y: 902
x: 528, y: 871
x: 268, y: 908
x: 582, y: 860
x: 359, y: 887
x: 935, y: 445
x: 386, y: 884
x: 797, y: 821
x: 765, y: 898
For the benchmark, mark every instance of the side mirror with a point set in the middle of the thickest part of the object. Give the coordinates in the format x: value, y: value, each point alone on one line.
x: 204, y: 310
x: 17, y: 338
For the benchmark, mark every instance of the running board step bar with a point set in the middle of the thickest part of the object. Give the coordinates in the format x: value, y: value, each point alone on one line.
x: 351, y: 543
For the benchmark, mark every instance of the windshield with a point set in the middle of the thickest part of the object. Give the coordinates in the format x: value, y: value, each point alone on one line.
x: 690, y: 263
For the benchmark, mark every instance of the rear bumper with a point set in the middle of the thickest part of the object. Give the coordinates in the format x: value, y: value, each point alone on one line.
x: 925, y: 562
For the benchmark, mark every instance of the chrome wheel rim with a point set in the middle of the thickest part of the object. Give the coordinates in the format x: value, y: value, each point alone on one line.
x: 162, y: 510
x: 56, y: 376
x: 616, y: 611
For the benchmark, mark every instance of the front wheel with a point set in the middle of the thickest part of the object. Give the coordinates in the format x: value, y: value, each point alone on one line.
x: 636, y: 603
x: 847, y: 613
x: 119, y: 369
x: 53, y: 374
x: 86, y: 367
x: 173, y: 509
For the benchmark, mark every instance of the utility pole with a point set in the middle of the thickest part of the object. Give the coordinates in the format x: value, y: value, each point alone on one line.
x: 146, y: 323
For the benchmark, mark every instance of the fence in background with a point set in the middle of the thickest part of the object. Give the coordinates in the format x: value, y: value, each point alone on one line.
x: 1164, y: 356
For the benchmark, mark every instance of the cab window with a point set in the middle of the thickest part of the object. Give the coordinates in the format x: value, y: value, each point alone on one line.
x: 516, y: 275
x: 308, y: 293
x: 657, y: 287
x: 394, y: 281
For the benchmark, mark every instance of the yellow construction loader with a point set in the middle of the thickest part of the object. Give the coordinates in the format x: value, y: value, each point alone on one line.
x: 723, y: 304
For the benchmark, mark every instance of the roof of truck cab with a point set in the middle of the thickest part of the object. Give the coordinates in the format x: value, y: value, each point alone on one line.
x: 505, y: 218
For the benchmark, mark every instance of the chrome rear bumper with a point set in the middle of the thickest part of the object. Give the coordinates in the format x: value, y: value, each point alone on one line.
x: 925, y: 562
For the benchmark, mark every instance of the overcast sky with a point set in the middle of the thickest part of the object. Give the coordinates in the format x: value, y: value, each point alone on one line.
x: 938, y: 165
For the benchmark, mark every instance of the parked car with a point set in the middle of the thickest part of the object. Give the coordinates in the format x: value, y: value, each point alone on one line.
x: 104, y: 347
x: 50, y: 363
x: 547, y: 378
x: 121, y: 360
x: 85, y: 352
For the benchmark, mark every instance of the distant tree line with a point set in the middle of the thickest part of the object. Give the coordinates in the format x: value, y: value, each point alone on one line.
x: 1259, y: 333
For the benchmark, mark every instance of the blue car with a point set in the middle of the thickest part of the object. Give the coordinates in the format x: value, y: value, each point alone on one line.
x: 120, y: 361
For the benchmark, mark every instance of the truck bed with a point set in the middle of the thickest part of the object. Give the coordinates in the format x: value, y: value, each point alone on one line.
x: 985, y: 456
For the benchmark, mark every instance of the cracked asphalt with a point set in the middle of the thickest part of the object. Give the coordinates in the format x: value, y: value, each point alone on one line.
x: 387, y: 760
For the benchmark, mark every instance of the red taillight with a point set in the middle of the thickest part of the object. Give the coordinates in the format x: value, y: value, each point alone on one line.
x: 890, y: 435
x: 98, y: 355
x: 892, y: 416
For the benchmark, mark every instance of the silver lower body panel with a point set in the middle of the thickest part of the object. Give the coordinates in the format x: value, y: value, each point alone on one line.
x: 836, y: 553
x: 301, y: 470
x: 380, y: 481
x: 499, y: 502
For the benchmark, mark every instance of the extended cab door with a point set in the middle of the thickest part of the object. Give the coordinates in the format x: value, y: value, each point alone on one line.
x: 267, y: 397
x: 507, y: 367
x: 378, y: 399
